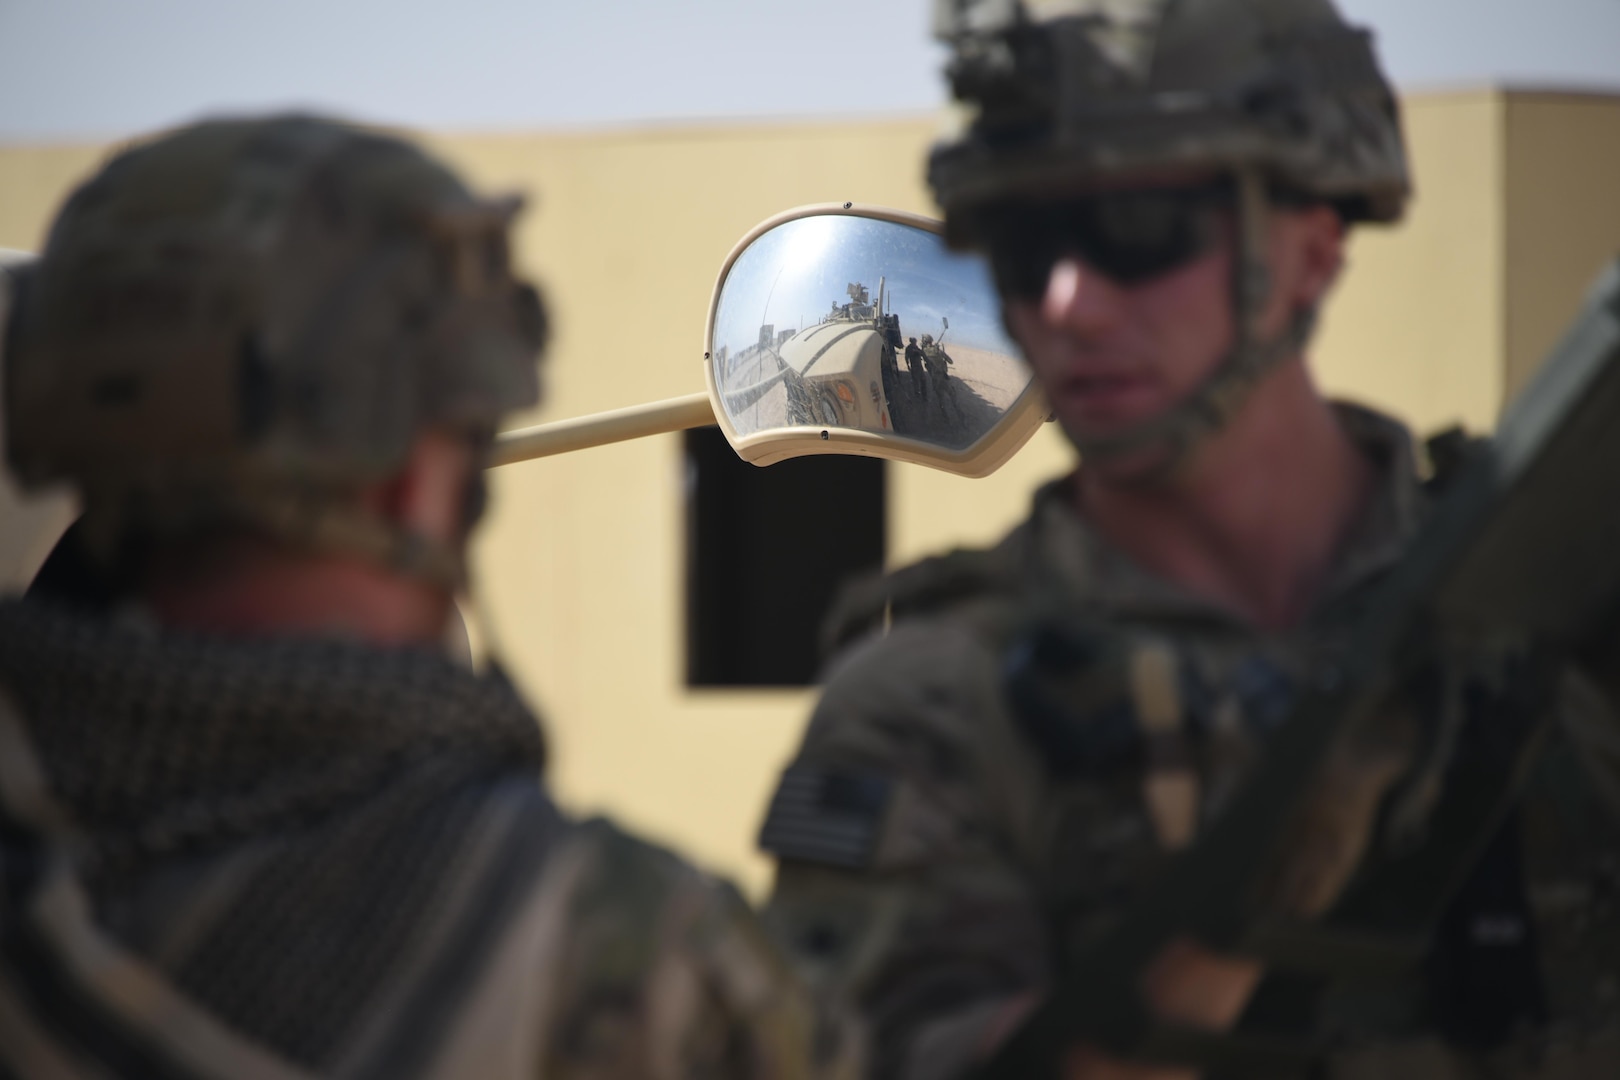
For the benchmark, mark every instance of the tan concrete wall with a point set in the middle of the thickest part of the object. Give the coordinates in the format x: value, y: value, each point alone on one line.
x: 1562, y: 215
x: 1416, y: 323
x: 580, y: 566
x: 33, y: 182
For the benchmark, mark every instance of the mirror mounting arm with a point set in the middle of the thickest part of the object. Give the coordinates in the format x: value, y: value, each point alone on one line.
x: 599, y: 429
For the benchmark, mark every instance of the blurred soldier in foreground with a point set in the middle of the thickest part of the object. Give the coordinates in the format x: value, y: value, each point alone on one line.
x: 1162, y: 190
x: 254, y: 822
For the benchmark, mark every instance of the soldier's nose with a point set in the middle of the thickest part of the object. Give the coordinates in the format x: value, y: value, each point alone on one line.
x: 1078, y: 298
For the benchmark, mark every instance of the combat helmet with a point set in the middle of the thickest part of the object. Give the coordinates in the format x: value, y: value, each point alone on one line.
x: 1077, y: 91
x: 1282, y: 96
x: 243, y: 321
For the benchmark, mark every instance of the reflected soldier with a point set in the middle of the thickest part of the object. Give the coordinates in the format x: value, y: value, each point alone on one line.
x: 915, y: 366
x: 1018, y: 741
x: 938, y: 363
x: 256, y: 822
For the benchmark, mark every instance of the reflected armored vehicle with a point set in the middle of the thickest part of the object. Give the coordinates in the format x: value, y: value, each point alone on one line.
x: 841, y: 371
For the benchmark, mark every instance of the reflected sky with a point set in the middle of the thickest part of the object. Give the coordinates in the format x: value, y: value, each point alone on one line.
x: 791, y: 277
x: 94, y: 68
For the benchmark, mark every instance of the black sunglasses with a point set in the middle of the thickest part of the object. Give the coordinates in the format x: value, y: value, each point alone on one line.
x: 1127, y: 236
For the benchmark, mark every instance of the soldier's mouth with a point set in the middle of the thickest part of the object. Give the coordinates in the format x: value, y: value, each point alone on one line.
x: 1106, y: 397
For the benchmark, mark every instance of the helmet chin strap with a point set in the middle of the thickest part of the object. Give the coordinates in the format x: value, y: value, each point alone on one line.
x: 1179, y: 430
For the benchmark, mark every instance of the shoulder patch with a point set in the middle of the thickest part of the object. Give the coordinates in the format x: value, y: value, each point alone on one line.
x: 826, y: 815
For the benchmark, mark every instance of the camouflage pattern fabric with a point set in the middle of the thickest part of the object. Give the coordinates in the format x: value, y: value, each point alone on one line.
x: 225, y: 301
x: 294, y: 858
x: 242, y: 322
x: 1057, y: 94
x: 939, y: 853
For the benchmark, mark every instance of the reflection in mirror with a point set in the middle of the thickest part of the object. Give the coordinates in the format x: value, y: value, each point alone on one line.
x: 837, y: 321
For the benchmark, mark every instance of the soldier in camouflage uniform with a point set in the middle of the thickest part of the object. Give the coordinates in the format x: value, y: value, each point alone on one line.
x: 937, y: 362
x: 253, y: 821
x: 1014, y: 743
x: 916, y: 369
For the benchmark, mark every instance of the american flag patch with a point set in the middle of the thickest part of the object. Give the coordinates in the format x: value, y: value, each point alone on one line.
x: 825, y: 815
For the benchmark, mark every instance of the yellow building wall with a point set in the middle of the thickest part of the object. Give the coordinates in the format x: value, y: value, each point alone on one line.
x: 1562, y: 215
x: 1415, y: 325
x: 580, y: 565
x: 33, y: 182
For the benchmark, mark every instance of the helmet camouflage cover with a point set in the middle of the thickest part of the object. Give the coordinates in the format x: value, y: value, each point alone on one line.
x: 253, y: 312
x: 1065, y: 93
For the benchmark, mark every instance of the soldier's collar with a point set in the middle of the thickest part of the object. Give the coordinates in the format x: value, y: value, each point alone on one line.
x: 1098, y: 574
x: 1379, y: 537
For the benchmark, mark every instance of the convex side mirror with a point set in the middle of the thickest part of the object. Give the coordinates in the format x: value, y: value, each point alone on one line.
x: 837, y: 329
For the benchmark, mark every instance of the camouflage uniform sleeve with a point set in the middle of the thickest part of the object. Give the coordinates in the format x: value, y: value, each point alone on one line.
x: 900, y: 830
x: 666, y: 974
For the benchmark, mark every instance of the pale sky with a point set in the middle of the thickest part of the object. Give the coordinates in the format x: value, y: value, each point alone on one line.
x: 84, y: 69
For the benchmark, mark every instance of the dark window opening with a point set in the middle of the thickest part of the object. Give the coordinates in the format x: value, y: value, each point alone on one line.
x: 766, y: 550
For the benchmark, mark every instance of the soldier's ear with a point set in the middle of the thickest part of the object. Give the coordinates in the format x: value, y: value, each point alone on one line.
x: 1320, y: 235
x: 428, y: 495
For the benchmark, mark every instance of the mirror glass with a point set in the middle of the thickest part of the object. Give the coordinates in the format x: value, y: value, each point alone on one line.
x: 838, y: 321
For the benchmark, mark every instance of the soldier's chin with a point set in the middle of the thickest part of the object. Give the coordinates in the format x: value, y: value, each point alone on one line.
x: 1150, y: 466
